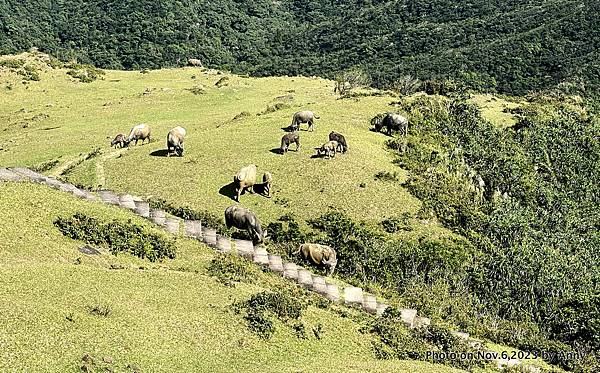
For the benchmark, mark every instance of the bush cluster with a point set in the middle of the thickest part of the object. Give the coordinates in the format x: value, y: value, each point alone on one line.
x: 118, y: 236
x: 228, y: 268
x: 260, y: 309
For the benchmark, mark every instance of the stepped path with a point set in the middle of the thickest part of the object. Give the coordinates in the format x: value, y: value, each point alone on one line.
x: 349, y: 295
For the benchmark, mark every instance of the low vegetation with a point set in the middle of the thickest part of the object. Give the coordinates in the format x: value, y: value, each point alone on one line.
x: 117, y: 236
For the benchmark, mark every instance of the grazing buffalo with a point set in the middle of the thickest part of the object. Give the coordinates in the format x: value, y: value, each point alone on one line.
x: 328, y: 149
x: 288, y: 139
x: 119, y: 141
x: 391, y: 121
x: 175, y: 139
x: 341, y: 140
x: 266, y: 184
x: 194, y: 62
x: 304, y: 117
x: 244, y: 180
x: 320, y: 255
x: 139, y: 132
x: 244, y: 219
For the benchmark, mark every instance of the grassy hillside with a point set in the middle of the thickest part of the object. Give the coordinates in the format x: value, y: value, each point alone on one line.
x: 169, y: 316
x: 451, y: 253
x: 74, y: 119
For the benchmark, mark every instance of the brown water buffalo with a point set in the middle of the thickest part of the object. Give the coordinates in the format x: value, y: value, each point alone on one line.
x: 305, y: 116
x: 328, y: 149
x: 320, y: 255
x: 244, y: 180
x: 175, y: 139
x: 341, y: 140
x: 119, y: 141
x: 244, y: 219
x: 139, y: 132
x: 288, y: 139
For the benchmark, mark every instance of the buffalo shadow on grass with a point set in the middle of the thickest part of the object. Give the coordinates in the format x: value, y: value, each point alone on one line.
x: 228, y: 191
x: 276, y: 151
x: 159, y: 153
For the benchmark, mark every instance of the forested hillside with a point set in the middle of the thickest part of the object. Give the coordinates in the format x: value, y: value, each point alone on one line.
x: 508, y: 46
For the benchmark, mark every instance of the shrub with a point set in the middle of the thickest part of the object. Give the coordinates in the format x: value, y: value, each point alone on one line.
x: 118, y: 236
x: 29, y: 73
x: 229, y: 268
x: 224, y: 81
x: 393, y: 225
x: 386, y: 176
x: 13, y: 63
x: 45, y: 166
x: 84, y: 73
x: 262, y: 306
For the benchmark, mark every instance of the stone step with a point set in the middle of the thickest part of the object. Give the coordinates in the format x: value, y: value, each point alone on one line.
x: 8, y: 175
x: 172, y: 225
x: 244, y: 248
x: 223, y: 244
x: 109, y: 197
x: 32, y: 175
x: 142, y: 208
x: 407, y: 315
x: 192, y: 228
x: 260, y: 255
x: 275, y: 263
x: 319, y: 285
x: 353, y: 296
x: 333, y: 292
x: 421, y: 322
x: 126, y: 201
x: 209, y: 236
x: 369, y: 304
x: 290, y: 270
x: 305, y: 278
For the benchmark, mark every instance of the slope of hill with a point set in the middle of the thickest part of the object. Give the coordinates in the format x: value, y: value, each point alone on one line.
x: 459, y: 270
x: 509, y: 46
x: 156, y: 317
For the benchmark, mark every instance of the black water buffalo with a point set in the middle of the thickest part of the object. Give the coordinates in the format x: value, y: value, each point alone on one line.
x: 341, y: 140
x: 287, y: 139
x: 119, y: 141
x: 391, y: 121
x: 244, y: 219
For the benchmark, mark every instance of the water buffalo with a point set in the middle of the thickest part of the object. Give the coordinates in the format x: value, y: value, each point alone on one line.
x: 288, y: 139
x: 391, y: 121
x: 341, y: 140
x: 139, y: 132
x: 320, y: 255
x: 304, y: 117
x: 328, y: 149
x: 119, y: 141
x: 266, y: 184
x: 194, y: 62
x: 244, y: 219
x: 175, y: 139
x: 244, y: 180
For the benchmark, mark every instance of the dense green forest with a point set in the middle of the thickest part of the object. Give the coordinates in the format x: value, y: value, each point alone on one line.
x: 508, y: 46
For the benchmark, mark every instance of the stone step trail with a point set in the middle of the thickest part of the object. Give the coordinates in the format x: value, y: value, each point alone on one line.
x: 350, y: 295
